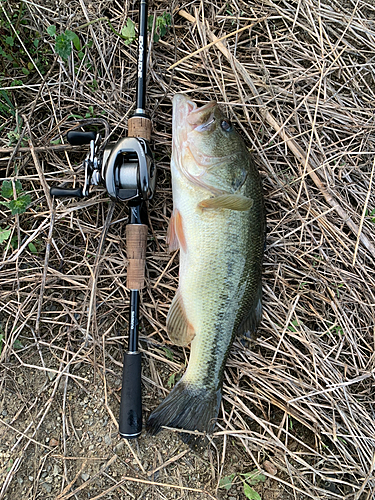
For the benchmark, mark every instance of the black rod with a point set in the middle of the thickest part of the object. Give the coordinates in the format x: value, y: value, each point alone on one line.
x: 142, y: 59
x: 134, y: 321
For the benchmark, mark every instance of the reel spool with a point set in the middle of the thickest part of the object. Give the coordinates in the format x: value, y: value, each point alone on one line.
x: 126, y: 169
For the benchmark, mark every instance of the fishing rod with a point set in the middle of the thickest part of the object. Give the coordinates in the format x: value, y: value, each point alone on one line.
x: 128, y: 172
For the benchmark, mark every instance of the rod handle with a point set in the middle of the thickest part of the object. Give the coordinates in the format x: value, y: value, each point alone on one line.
x: 130, y: 423
x: 136, y: 243
x: 140, y: 126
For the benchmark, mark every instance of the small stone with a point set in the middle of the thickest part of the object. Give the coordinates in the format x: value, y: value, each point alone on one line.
x: 91, y: 447
x: 270, y: 467
x: 31, y: 478
x: 56, y: 470
x: 47, y: 487
x: 107, y: 439
x: 119, y: 446
x: 85, y: 476
x: 53, y: 442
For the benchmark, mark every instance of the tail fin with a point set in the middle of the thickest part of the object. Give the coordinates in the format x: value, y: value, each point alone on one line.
x: 187, y: 407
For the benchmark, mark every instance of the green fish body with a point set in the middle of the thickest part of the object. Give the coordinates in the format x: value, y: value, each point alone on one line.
x: 218, y: 223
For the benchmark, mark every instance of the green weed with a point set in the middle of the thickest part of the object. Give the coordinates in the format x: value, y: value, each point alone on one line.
x: 128, y: 32
x: 248, y: 479
x: 371, y: 215
x: 16, y: 345
x: 21, y: 201
x: 293, y: 325
x: 21, y: 52
x: 162, y: 25
x: 63, y: 42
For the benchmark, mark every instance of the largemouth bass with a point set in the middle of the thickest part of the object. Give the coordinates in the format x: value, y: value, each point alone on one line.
x: 218, y: 223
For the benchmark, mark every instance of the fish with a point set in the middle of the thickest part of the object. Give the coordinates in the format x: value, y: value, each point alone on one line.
x: 218, y: 223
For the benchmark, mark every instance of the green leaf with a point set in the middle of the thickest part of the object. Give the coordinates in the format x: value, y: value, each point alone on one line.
x: 226, y: 481
x: 14, y: 242
x: 36, y: 42
x: 250, y: 493
x: 18, y: 186
x: 168, y: 353
x: 7, y: 189
x: 25, y: 71
x: 76, y: 43
x: 128, y: 32
x: 70, y: 35
x: 32, y: 248
x: 62, y: 46
x: 51, y: 30
x: 168, y: 19
x: 4, y: 235
x: 294, y: 323
x: 254, y: 477
x: 20, y: 205
x: 16, y: 83
x: 55, y: 142
x: 17, y: 345
x: 171, y: 380
x: 9, y: 41
x: 150, y: 22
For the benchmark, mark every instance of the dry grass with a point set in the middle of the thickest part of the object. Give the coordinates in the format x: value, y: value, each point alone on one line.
x: 299, y: 83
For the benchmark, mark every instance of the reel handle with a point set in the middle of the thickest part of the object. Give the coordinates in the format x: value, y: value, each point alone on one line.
x: 61, y: 192
x: 76, y: 138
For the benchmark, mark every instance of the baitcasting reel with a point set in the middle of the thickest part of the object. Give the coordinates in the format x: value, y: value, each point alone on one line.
x: 126, y: 169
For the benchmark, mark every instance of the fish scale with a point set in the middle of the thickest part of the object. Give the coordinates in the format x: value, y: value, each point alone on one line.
x: 218, y: 222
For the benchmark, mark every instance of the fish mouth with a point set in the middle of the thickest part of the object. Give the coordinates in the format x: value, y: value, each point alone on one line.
x: 188, y: 118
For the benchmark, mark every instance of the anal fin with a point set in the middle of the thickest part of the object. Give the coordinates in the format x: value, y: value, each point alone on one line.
x: 249, y: 324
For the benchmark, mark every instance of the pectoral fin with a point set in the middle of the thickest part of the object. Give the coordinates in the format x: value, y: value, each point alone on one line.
x: 180, y: 331
x: 229, y: 201
x: 175, y: 233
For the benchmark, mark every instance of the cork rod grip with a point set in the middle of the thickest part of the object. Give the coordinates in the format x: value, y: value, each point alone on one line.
x: 139, y: 126
x: 136, y: 242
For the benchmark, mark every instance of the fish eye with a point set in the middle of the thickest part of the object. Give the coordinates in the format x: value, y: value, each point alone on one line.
x: 226, y: 125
